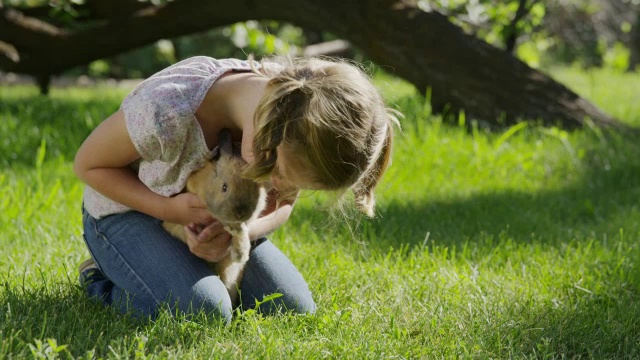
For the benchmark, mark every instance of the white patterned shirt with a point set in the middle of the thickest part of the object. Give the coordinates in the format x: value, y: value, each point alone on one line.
x: 160, y: 118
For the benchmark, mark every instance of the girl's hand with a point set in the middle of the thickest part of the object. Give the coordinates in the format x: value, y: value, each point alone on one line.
x: 187, y: 208
x: 210, y: 243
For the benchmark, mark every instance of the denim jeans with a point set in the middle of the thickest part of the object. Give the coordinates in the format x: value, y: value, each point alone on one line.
x: 142, y: 268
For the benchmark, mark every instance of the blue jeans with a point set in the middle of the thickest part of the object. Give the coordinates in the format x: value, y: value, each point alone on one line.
x: 143, y: 268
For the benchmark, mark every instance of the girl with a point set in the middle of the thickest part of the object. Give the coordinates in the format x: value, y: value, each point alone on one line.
x: 304, y: 124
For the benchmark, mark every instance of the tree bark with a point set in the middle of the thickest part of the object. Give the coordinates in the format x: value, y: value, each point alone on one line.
x: 634, y: 44
x: 422, y: 47
x: 511, y: 31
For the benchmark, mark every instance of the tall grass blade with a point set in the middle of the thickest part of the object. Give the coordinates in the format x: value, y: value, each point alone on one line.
x: 509, y: 133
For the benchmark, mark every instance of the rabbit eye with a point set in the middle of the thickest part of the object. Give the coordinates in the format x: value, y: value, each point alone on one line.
x: 224, y: 187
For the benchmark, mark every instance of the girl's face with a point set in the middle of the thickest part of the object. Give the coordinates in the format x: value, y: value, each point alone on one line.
x: 292, y: 171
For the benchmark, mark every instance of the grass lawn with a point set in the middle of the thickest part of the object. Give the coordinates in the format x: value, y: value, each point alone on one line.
x: 521, y: 243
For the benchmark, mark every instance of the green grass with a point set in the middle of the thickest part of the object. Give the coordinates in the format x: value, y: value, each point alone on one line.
x: 615, y: 91
x: 521, y: 243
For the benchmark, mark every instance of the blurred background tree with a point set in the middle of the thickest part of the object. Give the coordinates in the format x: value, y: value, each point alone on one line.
x: 463, y: 73
x: 236, y: 41
x: 587, y: 33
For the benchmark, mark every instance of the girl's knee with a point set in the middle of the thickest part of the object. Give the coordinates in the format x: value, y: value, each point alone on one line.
x: 297, y: 303
x: 301, y: 304
x: 198, y: 302
x: 211, y: 297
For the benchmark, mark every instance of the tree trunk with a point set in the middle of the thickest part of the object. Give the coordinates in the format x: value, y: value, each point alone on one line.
x: 424, y: 48
x: 634, y: 44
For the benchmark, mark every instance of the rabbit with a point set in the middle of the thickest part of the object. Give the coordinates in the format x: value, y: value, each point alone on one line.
x: 233, y: 201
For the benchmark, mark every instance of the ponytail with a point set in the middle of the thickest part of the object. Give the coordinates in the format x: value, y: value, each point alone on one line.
x: 270, y: 121
x: 364, y: 189
x: 330, y: 115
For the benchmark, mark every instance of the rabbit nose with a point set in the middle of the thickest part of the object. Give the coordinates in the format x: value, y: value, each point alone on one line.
x: 243, y: 212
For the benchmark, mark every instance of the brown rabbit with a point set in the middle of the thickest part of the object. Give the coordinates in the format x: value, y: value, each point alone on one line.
x: 232, y: 200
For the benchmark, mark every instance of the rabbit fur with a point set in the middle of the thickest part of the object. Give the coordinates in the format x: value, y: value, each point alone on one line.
x: 233, y: 201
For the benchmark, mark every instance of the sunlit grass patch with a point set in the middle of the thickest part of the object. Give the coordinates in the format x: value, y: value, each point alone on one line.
x: 514, y: 243
x: 611, y: 90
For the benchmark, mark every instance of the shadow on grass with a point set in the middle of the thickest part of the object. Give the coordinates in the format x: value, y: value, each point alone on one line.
x: 602, y: 326
x: 603, y: 200
x: 600, y: 203
x: 60, y: 123
x: 64, y: 313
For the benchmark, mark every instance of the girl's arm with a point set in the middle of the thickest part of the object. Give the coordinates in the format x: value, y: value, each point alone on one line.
x: 273, y: 216
x: 103, y: 162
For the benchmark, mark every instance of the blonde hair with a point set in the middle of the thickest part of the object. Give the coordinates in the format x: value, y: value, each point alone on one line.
x: 328, y: 112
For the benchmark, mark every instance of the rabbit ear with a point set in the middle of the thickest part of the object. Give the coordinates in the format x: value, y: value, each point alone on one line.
x: 224, y: 142
x: 215, y: 153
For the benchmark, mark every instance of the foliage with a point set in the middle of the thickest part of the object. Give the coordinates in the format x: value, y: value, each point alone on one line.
x: 587, y: 32
x: 616, y: 57
x: 265, y: 38
x: 541, y: 33
x: 516, y: 244
x: 235, y: 41
x: 22, y: 3
x: 490, y: 20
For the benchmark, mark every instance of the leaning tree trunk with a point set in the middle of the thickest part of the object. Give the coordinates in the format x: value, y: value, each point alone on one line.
x: 633, y: 44
x: 422, y: 47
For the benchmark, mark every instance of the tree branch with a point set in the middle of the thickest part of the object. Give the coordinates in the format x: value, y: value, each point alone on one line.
x: 89, y: 10
x: 512, y: 29
x: 422, y: 47
x: 26, y: 31
x: 8, y: 55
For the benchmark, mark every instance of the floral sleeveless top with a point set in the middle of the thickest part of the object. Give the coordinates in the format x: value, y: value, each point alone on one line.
x: 160, y: 118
